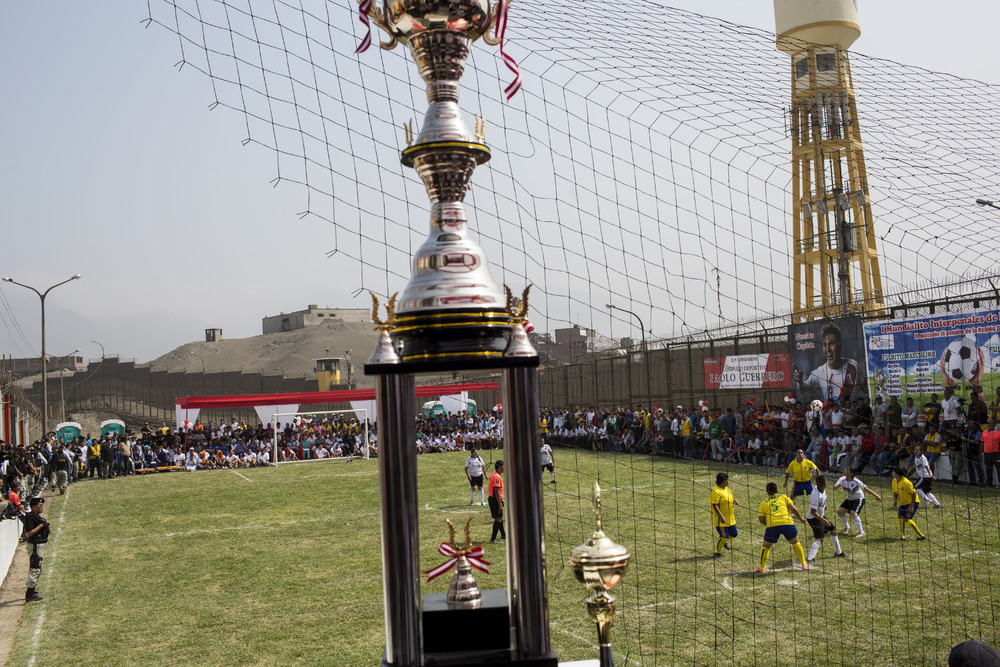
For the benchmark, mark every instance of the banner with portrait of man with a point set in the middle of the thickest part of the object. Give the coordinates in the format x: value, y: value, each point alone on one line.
x: 828, y: 360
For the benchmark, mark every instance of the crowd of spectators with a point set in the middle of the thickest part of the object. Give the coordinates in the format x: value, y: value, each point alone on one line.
x: 880, y: 435
x: 225, y: 445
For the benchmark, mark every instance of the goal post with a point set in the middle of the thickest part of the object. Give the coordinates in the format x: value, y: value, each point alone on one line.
x: 361, y: 449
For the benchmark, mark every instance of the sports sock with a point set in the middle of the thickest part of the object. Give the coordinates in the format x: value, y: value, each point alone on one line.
x: 496, y: 529
x: 857, y: 522
x: 843, y: 520
x: 902, y: 527
x: 921, y: 495
x: 836, y: 544
x: 482, y: 496
x: 930, y: 497
x: 913, y: 524
x: 472, y: 496
x: 764, y: 552
x: 800, y: 552
x: 720, y: 544
x: 814, y: 549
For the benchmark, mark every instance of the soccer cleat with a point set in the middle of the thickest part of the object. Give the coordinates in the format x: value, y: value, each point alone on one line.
x: 471, y: 503
x: 726, y: 545
x: 840, y: 555
x: 494, y: 541
x: 938, y: 506
x: 759, y: 570
x: 861, y: 534
x: 902, y: 539
x: 922, y: 537
x: 717, y: 555
x: 810, y: 560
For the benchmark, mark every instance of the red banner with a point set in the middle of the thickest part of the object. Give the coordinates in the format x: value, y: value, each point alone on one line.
x: 749, y: 371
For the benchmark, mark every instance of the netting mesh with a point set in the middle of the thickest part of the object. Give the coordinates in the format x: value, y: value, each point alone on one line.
x: 645, y: 163
x: 648, y: 169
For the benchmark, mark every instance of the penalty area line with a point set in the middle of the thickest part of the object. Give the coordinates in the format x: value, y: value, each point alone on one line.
x: 241, y: 475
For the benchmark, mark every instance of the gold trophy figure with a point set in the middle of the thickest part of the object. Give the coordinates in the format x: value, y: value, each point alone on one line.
x: 599, y: 564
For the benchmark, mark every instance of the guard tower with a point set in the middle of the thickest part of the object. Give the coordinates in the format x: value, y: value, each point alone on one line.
x: 835, y: 261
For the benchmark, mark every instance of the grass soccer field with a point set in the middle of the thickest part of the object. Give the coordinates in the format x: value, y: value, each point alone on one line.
x: 277, y: 566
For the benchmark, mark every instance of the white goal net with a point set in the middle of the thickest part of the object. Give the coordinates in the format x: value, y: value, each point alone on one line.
x: 327, y: 435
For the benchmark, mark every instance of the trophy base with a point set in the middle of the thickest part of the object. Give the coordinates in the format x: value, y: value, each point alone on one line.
x: 481, y: 636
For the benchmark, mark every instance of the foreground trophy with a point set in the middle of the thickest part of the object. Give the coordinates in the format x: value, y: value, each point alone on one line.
x: 453, y: 316
x: 599, y: 564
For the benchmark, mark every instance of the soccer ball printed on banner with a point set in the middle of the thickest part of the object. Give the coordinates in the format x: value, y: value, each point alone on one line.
x: 960, y: 361
x: 816, y: 405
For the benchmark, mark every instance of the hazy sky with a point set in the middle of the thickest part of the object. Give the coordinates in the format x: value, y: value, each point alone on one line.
x: 114, y: 167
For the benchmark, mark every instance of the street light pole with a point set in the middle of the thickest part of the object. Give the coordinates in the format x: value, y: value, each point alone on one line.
x: 642, y: 330
x: 45, y: 376
x: 62, y: 395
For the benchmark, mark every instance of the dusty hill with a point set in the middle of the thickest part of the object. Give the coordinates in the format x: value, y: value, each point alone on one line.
x: 291, y: 353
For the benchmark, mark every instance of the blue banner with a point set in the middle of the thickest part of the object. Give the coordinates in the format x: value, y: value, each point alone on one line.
x: 921, y: 356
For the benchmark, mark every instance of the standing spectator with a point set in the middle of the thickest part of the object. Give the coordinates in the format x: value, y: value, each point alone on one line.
x: 910, y: 413
x: 893, y: 414
x: 880, y: 411
x: 951, y: 408
x: 36, y: 535
x: 107, y: 459
x: 932, y: 411
x: 60, y: 464
x: 991, y: 454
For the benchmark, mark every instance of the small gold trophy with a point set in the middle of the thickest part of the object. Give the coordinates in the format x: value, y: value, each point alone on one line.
x: 464, y: 591
x: 599, y: 564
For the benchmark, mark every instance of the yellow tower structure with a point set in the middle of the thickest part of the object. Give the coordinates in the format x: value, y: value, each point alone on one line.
x: 835, y: 261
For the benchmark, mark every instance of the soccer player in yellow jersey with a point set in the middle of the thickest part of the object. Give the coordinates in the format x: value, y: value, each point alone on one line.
x: 723, y: 514
x: 774, y: 514
x: 905, y: 496
x: 803, y: 469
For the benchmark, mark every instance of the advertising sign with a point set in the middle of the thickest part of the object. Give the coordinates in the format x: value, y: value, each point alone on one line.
x: 749, y: 371
x: 828, y: 360
x: 921, y: 356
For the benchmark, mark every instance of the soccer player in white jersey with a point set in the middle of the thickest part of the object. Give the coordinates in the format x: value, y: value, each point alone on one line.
x: 474, y: 466
x: 855, y: 490
x: 924, y: 476
x: 548, y: 463
x: 819, y: 523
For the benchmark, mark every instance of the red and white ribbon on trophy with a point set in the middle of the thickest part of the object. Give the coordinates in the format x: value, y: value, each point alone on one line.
x: 474, y: 556
x: 501, y: 29
x: 363, y: 9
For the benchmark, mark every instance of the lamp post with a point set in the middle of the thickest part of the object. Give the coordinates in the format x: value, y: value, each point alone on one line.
x: 62, y: 394
x: 986, y: 202
x: 645, y: 355
x: 102, y: 349
x: 45, y: 377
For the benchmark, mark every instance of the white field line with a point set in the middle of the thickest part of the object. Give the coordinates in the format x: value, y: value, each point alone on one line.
x: 36, y: 633
x: 427, y: 506
x: 570, y: 633
x: 726, y: 581
x: 241, y: 475
x: 249, y: 526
